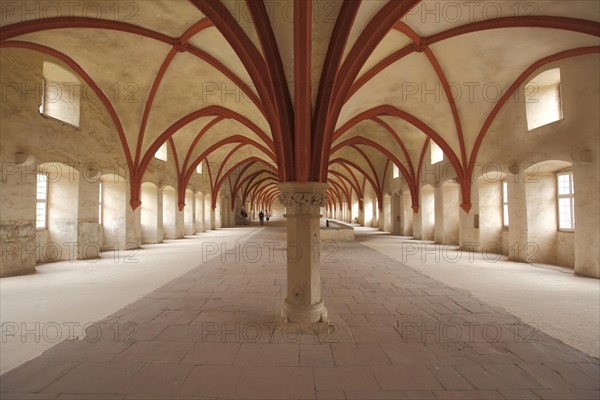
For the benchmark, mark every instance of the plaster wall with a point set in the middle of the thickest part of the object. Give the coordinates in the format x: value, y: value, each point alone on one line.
x: 17, y: 219
x: 573, y: 139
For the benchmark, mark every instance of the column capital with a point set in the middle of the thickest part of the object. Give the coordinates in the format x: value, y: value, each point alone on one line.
x: 303, y: 194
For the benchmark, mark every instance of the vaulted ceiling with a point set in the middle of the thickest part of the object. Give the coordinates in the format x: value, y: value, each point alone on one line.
x: 321, y: 90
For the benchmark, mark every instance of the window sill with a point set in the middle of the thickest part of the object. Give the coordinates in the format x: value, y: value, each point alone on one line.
x: 558, y: 121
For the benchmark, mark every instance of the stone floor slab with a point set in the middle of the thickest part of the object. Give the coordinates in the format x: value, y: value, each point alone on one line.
x: 388, y: 339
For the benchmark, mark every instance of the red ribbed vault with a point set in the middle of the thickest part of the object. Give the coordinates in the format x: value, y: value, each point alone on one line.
x: 314, y: 107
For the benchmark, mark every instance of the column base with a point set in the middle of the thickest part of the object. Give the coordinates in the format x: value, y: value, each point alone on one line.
x: 303, y: 315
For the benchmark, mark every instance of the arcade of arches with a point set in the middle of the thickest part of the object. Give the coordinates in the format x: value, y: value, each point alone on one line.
x: 452, y: 127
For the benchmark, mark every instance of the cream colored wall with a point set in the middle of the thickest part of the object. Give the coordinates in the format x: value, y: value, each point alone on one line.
x: 574, y: 139
x: 93, y: 150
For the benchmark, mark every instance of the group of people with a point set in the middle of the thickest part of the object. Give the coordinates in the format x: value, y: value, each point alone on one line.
x: 261, y: 216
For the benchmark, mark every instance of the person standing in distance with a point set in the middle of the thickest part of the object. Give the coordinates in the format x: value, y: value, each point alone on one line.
x: 261, y: 217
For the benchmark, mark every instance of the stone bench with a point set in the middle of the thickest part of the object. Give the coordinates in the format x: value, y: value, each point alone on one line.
x: 336, y: 231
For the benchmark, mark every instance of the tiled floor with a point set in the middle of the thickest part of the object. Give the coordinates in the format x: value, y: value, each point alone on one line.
x: 395, y: 334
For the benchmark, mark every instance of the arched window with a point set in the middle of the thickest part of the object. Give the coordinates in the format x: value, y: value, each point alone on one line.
x: 542, y: 99
x: 437, y: 154
x: 161, y: 154
x: 199, y: 168
x: 395, y: 172
x: 62, y: 94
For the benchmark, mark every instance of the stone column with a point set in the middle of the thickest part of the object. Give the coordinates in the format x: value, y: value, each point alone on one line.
x: 418, y: 224
x: 133, y: 224
x: 17, y: 218
x: 213, y: 219
x: 302, y: 202
x: 468, y: 235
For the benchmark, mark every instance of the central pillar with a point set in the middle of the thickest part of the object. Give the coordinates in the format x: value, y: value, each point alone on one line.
x: 302, y: 201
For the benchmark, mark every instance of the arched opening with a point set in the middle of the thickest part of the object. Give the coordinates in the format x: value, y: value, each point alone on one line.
x: 151, y: 214
x: 188, y: 211
x: 57, y: 213
x: 170, y: 213
x: 427, y: 211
